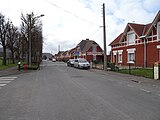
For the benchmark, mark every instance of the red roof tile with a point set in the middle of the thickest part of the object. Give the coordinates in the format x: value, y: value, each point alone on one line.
x: 116, y: 41
x: 138, y: 28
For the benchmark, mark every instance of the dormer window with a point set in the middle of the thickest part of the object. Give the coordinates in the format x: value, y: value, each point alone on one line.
x: 158, y: 30
x: 131, y: 38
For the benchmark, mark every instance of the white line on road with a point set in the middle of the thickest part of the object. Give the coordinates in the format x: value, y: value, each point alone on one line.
x: 145, y: 90
x: 1, y: 85
x: 4, y: 82
x: 8, y: 77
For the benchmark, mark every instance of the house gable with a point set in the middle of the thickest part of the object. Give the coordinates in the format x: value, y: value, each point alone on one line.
x: 153, y: 24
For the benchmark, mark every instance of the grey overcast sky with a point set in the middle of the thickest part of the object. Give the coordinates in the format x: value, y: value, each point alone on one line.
x: 67, y: 22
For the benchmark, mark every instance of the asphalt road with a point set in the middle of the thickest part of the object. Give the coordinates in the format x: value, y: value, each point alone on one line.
x: 58, y: 92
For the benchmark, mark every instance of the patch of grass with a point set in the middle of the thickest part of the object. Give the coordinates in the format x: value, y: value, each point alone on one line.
x: 139, y: 72
x: 2, y: 67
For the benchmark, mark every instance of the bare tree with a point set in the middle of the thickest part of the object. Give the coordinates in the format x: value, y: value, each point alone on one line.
x: 4, y: 26
x: 19, y: 45
x: 11, y: 40
x: 31, y: 28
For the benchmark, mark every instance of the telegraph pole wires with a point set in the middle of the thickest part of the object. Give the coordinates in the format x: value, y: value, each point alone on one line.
x: 104, y: 38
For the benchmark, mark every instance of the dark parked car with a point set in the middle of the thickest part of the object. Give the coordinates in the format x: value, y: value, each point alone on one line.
x: 70, y: 62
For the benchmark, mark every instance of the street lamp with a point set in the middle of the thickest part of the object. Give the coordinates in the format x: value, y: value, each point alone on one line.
x: 29, y: 36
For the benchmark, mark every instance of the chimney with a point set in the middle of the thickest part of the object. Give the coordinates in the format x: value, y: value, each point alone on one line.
x: 87, y: 38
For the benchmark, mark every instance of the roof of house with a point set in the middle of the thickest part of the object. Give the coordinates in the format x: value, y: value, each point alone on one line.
x: 84, y: 45
x: 117, y: 40
x: 153, y: 22
x: 64, y: 53
x: 71, y: 50
x: 139, y: 29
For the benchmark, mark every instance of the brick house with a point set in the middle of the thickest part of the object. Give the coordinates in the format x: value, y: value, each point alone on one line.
x: 89, y: 50
x: 138, y: 45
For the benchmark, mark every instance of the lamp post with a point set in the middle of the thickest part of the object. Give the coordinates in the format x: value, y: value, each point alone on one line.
x: 29, y: 36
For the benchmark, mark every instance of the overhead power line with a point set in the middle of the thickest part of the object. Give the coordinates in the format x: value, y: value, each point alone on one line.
x: 96, y: 31
x: 71, y: 13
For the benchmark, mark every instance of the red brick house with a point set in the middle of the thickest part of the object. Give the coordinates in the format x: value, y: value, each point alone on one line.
x: 89, y: 50
x: 139, y: 44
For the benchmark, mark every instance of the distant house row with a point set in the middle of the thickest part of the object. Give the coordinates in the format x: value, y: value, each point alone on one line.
x: 139, y: 44
x: 87, y: 49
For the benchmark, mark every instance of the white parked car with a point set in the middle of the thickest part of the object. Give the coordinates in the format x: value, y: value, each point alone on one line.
x: 53, y: 60
x: 81, y: 63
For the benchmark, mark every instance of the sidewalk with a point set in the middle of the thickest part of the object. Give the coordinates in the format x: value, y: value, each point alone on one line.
x: 12, y: 71
x: 132, y: 78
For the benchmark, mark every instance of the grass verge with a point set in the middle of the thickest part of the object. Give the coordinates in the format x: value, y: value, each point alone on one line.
x: 2, y: 67
x: 139, y: 72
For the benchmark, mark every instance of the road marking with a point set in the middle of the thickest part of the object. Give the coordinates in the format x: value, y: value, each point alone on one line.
x: 145, y: 90
x: 1, y: 85
x: 130, y: 86
x: 8, y: 77
x: 5, y: 82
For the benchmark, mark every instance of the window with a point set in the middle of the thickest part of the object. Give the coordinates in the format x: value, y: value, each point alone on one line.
x: 158, y: 31
x: 131, y: 38
x: 131, y: 55
x: 120, y: 56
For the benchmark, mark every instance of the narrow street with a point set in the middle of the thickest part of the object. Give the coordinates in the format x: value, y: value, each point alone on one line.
x: 58, y: 92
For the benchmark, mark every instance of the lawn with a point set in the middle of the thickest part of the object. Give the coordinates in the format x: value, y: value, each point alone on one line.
x: 2, y: 67
x: 139, y: 72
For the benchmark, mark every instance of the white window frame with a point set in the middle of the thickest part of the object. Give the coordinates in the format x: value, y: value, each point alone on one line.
x: 114, y: 52
x: 158, y: 31
x: 128, y: 40
x: 131, y: 52
x: 120, y: 56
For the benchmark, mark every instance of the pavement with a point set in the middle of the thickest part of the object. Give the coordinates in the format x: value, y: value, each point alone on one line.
x: 12, y: 71
x: 148, y: 82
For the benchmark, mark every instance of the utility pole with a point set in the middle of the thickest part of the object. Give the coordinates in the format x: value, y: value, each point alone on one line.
x: 104, y: 38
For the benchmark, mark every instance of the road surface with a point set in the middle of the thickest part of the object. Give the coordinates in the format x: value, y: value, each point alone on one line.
x: 58, y: 92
